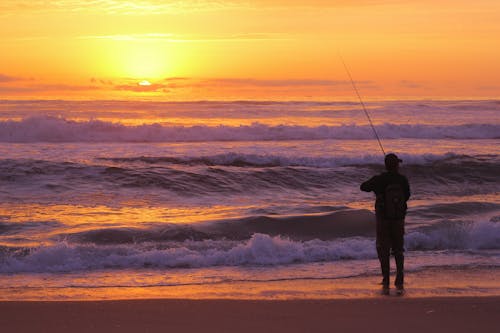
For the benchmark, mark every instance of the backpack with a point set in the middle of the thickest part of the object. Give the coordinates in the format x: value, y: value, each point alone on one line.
x: 394, y: 202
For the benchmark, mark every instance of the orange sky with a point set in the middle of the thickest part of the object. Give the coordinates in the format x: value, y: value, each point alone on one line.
x: 263, y: 49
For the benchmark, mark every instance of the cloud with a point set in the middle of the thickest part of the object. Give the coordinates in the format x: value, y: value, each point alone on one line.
x: 47, y: 88
x: 160, y: 7
x: 279, y: 83
x: 8, y: 78
x: 104, y: 82
x: 322, y: 3
x: 412, y: 84
x: 132, y: 37
x: 115, y: 7
x: 489, y: 88
x: 175, y: 38
x: 170, y: 79
x: 168, y: 84
x: 183, y: 85
x: 155, y: 87
x: 65, y: 87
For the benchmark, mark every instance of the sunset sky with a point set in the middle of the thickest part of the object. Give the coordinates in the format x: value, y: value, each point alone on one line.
x: 236, y: 49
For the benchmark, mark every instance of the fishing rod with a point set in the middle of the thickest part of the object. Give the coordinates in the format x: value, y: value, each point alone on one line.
x: 363, y: 105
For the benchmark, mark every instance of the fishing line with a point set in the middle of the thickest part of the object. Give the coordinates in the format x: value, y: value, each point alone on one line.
x: 363, y: 105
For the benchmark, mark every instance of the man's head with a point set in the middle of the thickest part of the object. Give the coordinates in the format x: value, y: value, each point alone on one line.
x: 392, y: 162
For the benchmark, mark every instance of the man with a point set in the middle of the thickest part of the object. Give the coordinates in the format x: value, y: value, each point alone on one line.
x: 392, y: 192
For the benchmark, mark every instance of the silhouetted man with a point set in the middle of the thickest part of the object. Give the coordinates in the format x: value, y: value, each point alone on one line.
x: 392, y: 192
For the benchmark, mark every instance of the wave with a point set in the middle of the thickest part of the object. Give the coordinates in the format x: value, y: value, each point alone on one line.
x: 260, y: 249
x: 330, y: 224
x: 459, y: 209
x: 269, y: 160
x: 484, y: 235
x: 412, y: 162
x: 341, y: 223
x: 53, y: 129
x: 25, y: 228
x: 240, y: 173
x: 55, y: 177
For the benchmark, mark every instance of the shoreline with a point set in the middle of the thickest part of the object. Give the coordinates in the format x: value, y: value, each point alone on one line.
x: 388, y: 314
x: 429, y: 283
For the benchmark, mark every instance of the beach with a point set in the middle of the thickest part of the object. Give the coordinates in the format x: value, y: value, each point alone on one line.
x: 453, y: 314
x: 435, y: 300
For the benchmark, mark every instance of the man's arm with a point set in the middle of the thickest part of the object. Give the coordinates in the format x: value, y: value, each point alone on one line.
x: 369, y: 185
x: 407, y: 189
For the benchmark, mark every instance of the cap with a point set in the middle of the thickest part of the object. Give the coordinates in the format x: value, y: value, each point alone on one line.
x: 392, y: 158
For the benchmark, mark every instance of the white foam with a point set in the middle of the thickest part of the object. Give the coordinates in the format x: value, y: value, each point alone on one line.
x: 261, y: 249
x: 53, y: 129
x: 474, y: 236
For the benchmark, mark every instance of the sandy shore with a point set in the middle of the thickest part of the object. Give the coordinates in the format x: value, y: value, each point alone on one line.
x: 387, y: 314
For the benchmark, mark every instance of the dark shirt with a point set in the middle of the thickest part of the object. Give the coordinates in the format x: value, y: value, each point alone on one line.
x: 378, y: 184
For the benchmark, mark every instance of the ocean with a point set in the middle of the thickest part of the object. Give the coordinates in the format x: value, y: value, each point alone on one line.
x: 241, y: 199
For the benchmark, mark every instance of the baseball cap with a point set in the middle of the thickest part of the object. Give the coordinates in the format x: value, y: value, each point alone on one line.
x: 392, y: 158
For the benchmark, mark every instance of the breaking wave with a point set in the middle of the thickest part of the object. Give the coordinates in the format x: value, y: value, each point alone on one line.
x: 53, y: 129
x: 484, y: 235
x: 260, y: 249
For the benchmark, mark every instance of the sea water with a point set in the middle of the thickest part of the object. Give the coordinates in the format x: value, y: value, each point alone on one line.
x: 126, y: 199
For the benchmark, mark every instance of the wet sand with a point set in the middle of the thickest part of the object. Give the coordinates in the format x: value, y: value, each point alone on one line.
x: 387, y: 314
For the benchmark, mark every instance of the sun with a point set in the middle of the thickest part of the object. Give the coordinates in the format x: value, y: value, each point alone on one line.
x: 144, y: 83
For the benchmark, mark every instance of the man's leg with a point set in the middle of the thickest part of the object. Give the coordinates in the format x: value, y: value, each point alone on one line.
x: 383, y: 249
x: 399, y: 269
x: 383, y: 257
x: 397, y: 236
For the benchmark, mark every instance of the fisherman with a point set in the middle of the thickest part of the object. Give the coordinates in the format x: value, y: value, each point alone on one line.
x: 392, y: 191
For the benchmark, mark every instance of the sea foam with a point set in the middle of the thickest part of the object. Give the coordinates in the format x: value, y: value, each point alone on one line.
x: 260, y: 249
x: 54, y: 129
